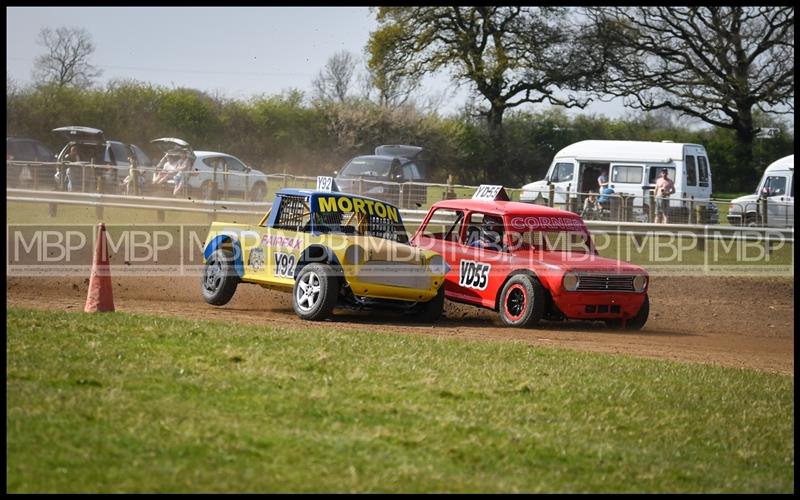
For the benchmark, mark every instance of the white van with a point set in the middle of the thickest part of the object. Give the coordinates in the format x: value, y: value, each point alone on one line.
x: 632, y: 168
x: 777, y: 186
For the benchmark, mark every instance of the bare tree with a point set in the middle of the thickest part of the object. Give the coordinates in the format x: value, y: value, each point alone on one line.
x: 716, y: 64
x: 66, y: 61
x: 333, y: 81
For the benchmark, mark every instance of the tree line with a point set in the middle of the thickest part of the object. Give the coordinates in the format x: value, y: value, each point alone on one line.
x: 288, y: 132
x: 730, y: 67
x: 723, y: 65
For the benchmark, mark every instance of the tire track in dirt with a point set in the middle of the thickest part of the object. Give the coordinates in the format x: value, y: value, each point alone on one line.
x: 728, y: 321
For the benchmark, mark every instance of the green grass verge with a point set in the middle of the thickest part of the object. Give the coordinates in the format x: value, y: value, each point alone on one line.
x: 37, y: 213
x: 133, y: 403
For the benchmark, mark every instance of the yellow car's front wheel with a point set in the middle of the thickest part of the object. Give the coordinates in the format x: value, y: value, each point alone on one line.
x: 315, y: 293
x: 219, y: 278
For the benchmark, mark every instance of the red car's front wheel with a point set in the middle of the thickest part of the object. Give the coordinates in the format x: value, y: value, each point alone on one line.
x: 521, y: 301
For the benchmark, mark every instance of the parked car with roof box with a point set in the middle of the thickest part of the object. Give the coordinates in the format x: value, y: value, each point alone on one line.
x: 101, y: 160
x: 386, y: 175
x: 210, y: 167
x: 632, y: 168
x: 777, y: 187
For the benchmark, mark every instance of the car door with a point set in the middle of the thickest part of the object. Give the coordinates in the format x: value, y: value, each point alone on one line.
x: 694, y: 175
x: 237, y: 177
x: 441, y: 233
x: 627, y: 179
x: 777, y: 191
x: 413, y: 193
x: 478, y: 272
x: 563, y: 177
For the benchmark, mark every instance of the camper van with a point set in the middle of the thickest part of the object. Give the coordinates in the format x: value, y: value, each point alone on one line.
x: 777, y: 186
x: 632, y: 169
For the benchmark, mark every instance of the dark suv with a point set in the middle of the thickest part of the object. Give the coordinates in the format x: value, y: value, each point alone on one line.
x: 110, y: 160
x: 386, y: 175
x: 21, y: 149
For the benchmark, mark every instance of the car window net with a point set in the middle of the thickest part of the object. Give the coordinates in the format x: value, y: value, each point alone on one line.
x: 294, y: 214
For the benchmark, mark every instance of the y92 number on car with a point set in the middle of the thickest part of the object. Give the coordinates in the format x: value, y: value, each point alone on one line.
x: 473, y: 274
x: 284, y: 265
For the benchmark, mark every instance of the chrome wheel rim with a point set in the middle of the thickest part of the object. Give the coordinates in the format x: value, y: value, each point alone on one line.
x: 308, y: 291
x: 214, y: 275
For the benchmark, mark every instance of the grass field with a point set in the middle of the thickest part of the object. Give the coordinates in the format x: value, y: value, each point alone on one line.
x: 133, y: 403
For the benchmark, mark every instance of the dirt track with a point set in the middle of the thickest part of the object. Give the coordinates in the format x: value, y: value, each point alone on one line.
x: 738, y: 322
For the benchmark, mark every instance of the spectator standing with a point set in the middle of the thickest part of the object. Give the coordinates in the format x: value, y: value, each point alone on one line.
x: 664, y: 188
x: 73, y: 156
x: 602, y: 181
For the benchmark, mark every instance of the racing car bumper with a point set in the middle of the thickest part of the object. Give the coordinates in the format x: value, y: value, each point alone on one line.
x: 599, y: 305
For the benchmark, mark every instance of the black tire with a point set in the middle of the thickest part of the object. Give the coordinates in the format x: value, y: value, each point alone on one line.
x: 315, y: 293
x: 258, y: 192
x: 521, y: 301
x: 751, y: 220
x: 431, y: 311
x: 219, y: 278
x: 638, y: 321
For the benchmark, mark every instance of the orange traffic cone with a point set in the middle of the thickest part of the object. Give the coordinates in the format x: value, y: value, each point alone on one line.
x: 100, y: 298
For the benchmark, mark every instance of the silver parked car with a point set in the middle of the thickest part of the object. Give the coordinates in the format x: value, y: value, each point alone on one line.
x: 210, y: 166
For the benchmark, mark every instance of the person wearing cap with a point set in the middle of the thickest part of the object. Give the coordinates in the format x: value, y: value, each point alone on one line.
x: 664, y: 188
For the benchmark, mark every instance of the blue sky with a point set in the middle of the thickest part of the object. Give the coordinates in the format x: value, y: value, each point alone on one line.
x: 234, y: 51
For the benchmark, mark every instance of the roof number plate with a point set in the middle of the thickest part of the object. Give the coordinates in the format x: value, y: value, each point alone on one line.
x: 325, y: 184
x: 490, y: 192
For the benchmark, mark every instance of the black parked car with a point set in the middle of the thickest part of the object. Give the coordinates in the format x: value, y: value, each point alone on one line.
x: 21, y: 149
x: 385, y: 175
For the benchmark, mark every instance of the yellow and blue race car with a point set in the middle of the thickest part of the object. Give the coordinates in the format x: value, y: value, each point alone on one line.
x: 329, y: 249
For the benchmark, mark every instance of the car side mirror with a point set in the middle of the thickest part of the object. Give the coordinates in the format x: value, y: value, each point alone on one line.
x: 247, y: 169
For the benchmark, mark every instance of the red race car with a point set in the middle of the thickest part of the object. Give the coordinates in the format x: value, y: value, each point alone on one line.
x: 530, y: 262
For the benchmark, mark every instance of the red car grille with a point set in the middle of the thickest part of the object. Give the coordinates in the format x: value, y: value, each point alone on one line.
x: 614, y: 283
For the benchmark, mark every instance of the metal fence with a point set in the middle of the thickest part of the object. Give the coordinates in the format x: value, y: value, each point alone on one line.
x: 215, y: 209
x: 235, y: 186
